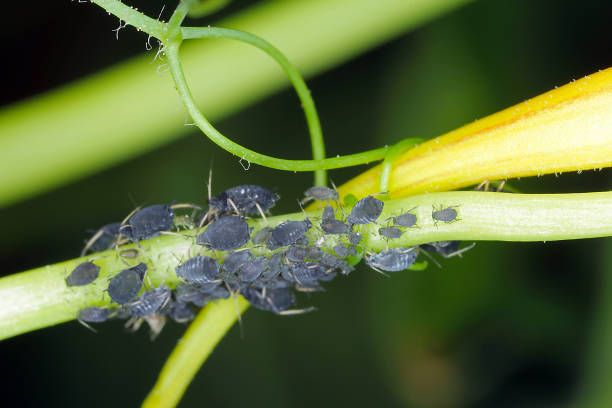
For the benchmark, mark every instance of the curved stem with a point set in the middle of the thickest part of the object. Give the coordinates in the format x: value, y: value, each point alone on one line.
x: 172, y: 51
x: 394, y: 151
x: 312, y: 118
x: 195, y: 346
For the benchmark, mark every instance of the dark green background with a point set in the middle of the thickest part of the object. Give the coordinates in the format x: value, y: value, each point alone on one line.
x: 509, y: 325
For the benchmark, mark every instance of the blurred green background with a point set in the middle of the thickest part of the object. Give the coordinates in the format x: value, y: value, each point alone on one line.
x: 509, y: 325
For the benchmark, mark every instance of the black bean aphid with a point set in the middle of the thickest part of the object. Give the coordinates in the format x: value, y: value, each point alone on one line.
x: 148, y: 222
x: 448, y: 214
x: 178, y: 311
x: 103, y: 239
x: 273, y: 300
x: 225, y: 234
x: 296, y: 253
x: 262, y: 236
x: 366, y: 211
x: 329, y: 223
x: 200, y: 269
x: 390, y: 232
x: 303, y: 272
x: 393, y: 260
x: 252, y: 269
x: 93, y: 314
x: 125, y: 286
x: 405, y: 220
x: 235, y: 260
x: 447, y: 249
x: 287, y: 233
x: 150, y: 302
x: 246, y: 199
x: 341, y: 250
x: 354, y: 238
x: 83, y: 274
x: 273, y: 268
x: 320, y: 193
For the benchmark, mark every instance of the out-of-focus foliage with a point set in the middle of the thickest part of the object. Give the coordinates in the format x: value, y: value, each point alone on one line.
x: 507, y: 325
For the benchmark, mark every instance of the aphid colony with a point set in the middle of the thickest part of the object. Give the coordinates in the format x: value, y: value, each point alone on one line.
x: 265, y: 267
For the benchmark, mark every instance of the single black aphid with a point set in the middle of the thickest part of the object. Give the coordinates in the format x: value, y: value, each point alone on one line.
x: 296, y: 253
x: 235, y: 260
x: 125, y: 286
x: 178, y: 311
x: 103, y: 239
x: 448, y: 214
x: 273, y: 300
x: 288, y: 233
x: 313, y: 252
x: 303, y: 272
x: 148, y: 222
x: 366, y: 211
x: 341, y: 250
x: 189, y: 293
x: 225, y: 234
x: 273, y: 268
x: 329, y: 223
x: 320, y: 193
x: 393, y: 260
x: 150, y: 301
x: 405, y: 220
x: 390, y: 232
x: 328, y: 214
x: 200, y: 269
x: 262, y: 236
x: 252, y: 269
x: 248, y: 199
x: 93, y: 314
x: 447, y: 249
x: 83, y: 274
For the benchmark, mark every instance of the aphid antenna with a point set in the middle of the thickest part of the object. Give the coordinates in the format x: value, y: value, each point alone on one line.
x: 379, y: 271
x: 293, y: 312
x: 87, y: 326
x: 261, y: 213
x: 177, y: 234
x: 185, y: 205
x: 91, y: 241
x: 459, y: 252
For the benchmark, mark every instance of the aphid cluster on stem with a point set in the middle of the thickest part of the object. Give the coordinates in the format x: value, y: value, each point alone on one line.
x: 265, y: 266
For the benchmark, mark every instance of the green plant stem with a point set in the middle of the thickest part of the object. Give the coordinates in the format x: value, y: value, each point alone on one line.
x: 197, y: 343
x: 394, y: 151
x: 47, y: 152
x: 40, y: 298
x: 133, y: 17
x: 172, y: 52
x: 310, y: 111
x: 206, y: 7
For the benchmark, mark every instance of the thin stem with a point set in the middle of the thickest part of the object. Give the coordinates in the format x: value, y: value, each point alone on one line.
x: 312, y: 118
x: 174, y: 24
x: 40, y: 298
x: 197, y: 343
x: 176, y: 69
x: 133, y: 17
x: 207, y: 7
x: 394, y: 151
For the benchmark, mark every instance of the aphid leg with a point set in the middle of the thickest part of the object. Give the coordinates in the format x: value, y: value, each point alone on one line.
x: 92, y: 240
x: 459, y: 251
x: 185, y: 205
x: 87, y: 326
x: 501, y: 186
x: 261, y: 212
x: 432, y: 259
x: 292, y: 312
x: 238, y: 315
x: 233, y: 205
x: 484, y: 186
